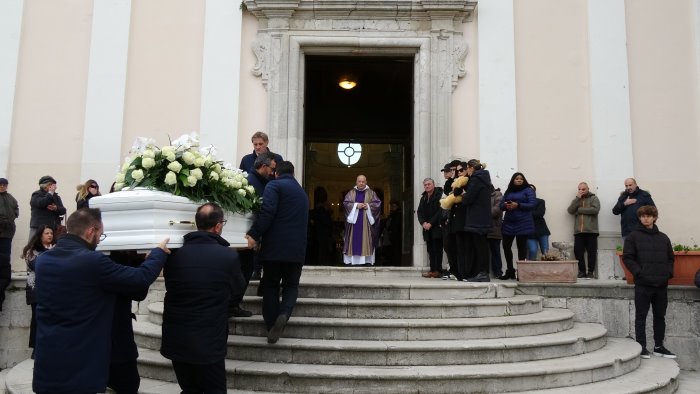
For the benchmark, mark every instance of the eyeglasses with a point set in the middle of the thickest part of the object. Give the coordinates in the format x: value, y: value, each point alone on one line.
x: 94, y: 186
x: 102, y: 237
x: 223, y: 222
x: 461, y: 169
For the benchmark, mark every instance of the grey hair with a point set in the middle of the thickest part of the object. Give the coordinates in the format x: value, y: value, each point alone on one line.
x: 264, y: 158
x: 429, y: 179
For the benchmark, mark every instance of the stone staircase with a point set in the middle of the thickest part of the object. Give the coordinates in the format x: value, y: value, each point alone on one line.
x: 368, y: 330
x: 360, y: 333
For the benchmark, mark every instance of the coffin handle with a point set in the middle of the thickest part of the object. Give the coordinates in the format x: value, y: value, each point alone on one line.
x: 185, y: 222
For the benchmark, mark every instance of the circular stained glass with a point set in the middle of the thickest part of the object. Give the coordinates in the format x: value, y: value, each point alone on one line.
x: 349, y: 153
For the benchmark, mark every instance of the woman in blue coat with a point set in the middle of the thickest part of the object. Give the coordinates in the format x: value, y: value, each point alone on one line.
x: 518, y: 202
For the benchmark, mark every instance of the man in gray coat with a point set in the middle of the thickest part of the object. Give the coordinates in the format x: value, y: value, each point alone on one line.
x: 585, y: 207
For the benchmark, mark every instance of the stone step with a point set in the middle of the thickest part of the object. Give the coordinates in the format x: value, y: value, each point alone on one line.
x: 618, y: 357
x: 582, y: 338
x: 152, y: 386
x: 656, y: 375
x: 362, y: 272
x: 549, y: 320
x: 545, y: 322
x: 395, y: 309
x: 399, y: 288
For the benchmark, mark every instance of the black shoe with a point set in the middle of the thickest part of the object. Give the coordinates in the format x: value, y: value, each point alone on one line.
x: 661, y: 351
x: 581, y: 275
x: 32, y: 356
x: 645, y: 353
x: 256, y: 275
x: 480, y: 277
x: 276, y: 331
x: 590, y: 275
x: 510, y: 274
x: 240, y: 312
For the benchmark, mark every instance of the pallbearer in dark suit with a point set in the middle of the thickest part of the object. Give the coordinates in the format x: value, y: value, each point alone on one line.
x: 76, y: 289
x: 200, y: 280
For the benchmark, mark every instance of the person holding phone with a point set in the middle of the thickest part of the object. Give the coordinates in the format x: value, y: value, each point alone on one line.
x: 518, y: 202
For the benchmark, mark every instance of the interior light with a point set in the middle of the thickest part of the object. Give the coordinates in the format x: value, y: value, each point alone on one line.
x: 347, y: 84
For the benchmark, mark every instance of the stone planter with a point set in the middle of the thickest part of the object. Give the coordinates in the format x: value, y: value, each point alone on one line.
x: 684, y: 268
x: 564, y: 271
x: 139, y: 219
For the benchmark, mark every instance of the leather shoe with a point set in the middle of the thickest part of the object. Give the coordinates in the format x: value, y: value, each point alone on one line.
x: 276, y: 331
x: 256, y: 275
x: 240, y: 312
x: 428, y: 274
x: 480, y: 277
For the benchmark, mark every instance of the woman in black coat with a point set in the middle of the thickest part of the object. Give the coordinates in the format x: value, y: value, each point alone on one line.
x: 476, y: 200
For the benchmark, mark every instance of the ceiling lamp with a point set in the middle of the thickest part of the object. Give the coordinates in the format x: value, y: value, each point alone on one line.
x: 347, y: 83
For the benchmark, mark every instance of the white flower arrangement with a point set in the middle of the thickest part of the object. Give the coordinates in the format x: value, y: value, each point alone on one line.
x: 185, y: 169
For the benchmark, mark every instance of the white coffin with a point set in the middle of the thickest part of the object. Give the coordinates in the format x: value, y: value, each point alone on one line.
x: 140, y: 219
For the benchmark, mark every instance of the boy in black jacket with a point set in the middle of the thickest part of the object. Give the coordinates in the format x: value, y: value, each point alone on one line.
x: 649, y: 257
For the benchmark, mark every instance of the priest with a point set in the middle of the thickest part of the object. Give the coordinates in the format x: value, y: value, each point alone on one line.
x: 362, y: 213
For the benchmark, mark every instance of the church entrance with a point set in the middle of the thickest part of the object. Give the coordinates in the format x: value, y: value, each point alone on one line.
x: 358, y: 120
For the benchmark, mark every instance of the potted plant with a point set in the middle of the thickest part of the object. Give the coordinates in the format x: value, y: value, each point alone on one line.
x: 551, y: 268
x: 685, y: 266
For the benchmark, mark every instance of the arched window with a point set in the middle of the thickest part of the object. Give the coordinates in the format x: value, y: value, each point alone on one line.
x: 348, y: 153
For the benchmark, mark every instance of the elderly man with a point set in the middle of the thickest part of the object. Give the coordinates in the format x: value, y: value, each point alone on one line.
x: 260, y: 141
x: 76, y: 289
x: 47, y: 206
x: 362, y: 212
x: 201, y: 278
x: 429, y: 216
x: 585, y: 207
x: 9, y: 211
x: 630, y: 200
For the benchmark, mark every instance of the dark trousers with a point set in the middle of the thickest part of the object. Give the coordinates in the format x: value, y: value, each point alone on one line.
x: 5, y: 269
x: 32, y: 327
x: 201, y: 378
x: 435, y: 253
x: 496, y: 262
x: 521, y: 242
x: 657, y: 298
x: 124, y: 377
x: 248, y: 257
x: 586, y: 243
x: 287, y: 275
x: 449, y: 244
x: 477, y: 247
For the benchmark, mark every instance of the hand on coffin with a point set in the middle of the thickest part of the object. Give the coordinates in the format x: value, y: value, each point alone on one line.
x: 163, y: 246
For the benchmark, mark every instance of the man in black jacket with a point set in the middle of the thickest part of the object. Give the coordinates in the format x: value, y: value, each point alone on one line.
x: 429, y: 216
x: 46, y: 206
x: 627, y: 205
x: 281, y: 225
x: 200, y: 280
x: 649, y: 257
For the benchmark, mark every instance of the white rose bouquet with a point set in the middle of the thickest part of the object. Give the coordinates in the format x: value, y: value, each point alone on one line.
x: 185, y: 169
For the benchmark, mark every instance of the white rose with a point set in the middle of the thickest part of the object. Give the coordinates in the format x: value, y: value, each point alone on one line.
x: 118, y: 186
x: 137, y: 175
x: 148, y: 162
x: 241, y: 192
x: 216, y: 168
x: 149, y: 153
x: 199, y: 162
x: 170, y: 156
x: 214, y: 176
x: 237, y: 185
x: 120, y: 177
x: 170, y: 178
x: 244, y: 182
x: 188, y: 158
x: 127, y: 163
x: 191, y: 180
x: 197, y: 173
x: 250, y: 189
x: 175, y: 166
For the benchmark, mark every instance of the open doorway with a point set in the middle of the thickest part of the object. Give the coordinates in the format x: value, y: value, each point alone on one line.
x: 365, y: 127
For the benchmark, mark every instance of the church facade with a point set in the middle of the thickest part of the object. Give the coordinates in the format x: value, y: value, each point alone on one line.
x: 563, y: 91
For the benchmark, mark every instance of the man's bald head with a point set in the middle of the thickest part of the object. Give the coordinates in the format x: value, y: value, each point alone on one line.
x: 361, y: 182
x: 208, y: 217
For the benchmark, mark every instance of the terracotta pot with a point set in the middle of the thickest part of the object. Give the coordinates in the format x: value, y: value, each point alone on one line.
x: 684, y: 268
x: 547, y: 271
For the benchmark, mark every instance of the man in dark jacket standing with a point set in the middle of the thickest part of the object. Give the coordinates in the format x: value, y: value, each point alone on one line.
x: 282, y: 227
x: 627, y: 205
x: 47, y: 206
x: 260, y: 141
x: 476, y: 200
x: 76, y: 291
x: 200, y: 280
x: 9, y: 211
x: 585, y: 207
x: 648, y: 255
x: 429, y: 216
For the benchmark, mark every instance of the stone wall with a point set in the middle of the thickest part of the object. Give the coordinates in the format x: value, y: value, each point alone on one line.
x: 14, y: 324
x: 611, y: 303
